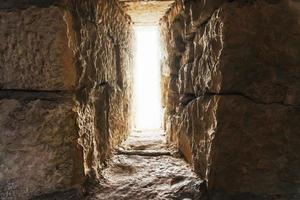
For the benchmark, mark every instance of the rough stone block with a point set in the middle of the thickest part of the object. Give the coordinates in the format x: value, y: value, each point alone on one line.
x: 196, y: 125
x: 202, y: 10
x: 34, y: 51
x: 266, y: 70
x: 255, y: 148
x: 38, y: 148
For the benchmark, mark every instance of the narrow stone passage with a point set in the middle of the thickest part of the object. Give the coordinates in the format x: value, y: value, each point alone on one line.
x: 142, y: 169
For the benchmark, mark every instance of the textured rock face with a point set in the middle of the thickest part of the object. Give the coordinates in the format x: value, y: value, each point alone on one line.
x: 102, y: 47
x: 34, y: 50
x: 39, y: 150
x: 257, y: 154
x: 231, y: 86
x: 13, y: 4
x: 65, y: 90
x: 130, y: 176
x: 145, y: 12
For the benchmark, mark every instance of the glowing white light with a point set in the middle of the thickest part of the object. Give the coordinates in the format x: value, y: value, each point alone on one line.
x: 147, y: 101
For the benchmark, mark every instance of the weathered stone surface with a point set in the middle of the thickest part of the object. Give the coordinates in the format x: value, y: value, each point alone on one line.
x: 13, y: 4
x: 136, y: 177
x: 234, y: 63
x: 255, y: 146
x: 102, y: 46
x: 173, y: 45
x: 93, y: 131
x: 103, y: 124
x: 201, y: 11
x: 119, y: 116
x: 83, y: 50
x: 145, y: 12
x: 39, y: 151
x: 238, y: 92
x: 212, y: 130
x: 34, y: 52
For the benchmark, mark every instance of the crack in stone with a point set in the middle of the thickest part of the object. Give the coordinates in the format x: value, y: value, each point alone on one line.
x: 247, y: 97
x: 32, y: 95
x: 207, y: 94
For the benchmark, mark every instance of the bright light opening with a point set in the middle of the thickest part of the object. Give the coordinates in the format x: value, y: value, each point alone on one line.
x: 147, y: 97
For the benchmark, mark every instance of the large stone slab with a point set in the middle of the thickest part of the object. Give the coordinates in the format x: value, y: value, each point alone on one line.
x: 240, y: 146
x: 243, y: 50
x: 39, y: 152
x: 34, y: 50
x: 255, y: 150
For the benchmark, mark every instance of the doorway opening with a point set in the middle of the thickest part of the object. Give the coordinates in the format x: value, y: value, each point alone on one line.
x: 146, y: 90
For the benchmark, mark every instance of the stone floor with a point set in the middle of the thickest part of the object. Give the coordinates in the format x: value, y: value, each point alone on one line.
x: 143, y: 168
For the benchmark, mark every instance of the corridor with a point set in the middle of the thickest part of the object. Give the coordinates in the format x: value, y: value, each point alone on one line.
x: 145, y: 167
x: 149, y: 99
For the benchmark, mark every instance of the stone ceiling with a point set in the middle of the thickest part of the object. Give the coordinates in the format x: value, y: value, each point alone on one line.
x: 146, y: 12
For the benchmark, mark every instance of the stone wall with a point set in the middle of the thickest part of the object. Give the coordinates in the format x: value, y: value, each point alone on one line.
x: 231, y: 94
x: 65, y: 82
x: 102, y: 46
